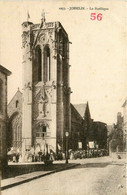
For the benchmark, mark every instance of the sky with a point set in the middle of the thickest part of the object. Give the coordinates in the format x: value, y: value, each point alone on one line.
x: 97, y: 53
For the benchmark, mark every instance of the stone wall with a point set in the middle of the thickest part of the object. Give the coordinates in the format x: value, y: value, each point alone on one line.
x: 3, y: 117
x: 76, y: 134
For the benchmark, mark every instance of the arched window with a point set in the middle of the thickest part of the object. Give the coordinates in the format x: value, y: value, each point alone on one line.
x: 47, y: 68
x: 15, y: 128
x: 37, y: 70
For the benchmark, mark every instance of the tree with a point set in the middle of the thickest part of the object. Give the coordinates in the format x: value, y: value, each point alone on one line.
x: 116, y: 139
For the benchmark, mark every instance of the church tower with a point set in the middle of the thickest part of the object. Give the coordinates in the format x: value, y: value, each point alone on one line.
x: 46, y: 90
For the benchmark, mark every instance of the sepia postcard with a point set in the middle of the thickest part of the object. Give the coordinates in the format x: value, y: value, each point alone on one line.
x: 63, y: 97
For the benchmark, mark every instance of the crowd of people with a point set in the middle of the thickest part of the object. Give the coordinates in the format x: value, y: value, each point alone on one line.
x: 37, y: 155
x: 91, y: 153
x: 30, y: 155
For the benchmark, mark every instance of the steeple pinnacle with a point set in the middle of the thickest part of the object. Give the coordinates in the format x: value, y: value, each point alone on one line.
x: 42, y: 17
x: 28, y: 16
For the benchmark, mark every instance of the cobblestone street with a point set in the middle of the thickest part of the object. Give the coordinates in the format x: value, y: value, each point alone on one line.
x: 95, y: 176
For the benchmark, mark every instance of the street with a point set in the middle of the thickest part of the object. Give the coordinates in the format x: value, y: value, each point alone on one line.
x: 95, y: 176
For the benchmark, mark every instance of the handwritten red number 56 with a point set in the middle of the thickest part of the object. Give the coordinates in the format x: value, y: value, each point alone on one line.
x: 94, y: 16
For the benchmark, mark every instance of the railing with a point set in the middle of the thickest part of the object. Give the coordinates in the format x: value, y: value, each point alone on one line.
x: 47, y: 25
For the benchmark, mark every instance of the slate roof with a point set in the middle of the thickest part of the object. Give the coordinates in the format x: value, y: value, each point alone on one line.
x: 81, y: 108
x: 12, y: 108
x: 75, y: 116
x: 18, y: 92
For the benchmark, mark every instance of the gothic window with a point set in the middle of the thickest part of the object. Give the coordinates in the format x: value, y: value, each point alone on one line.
x: 17, y: 134
x: 14, y: 135
x: 16, y: 104
x: 47, y: 66
x: 1, y: 95
x: 37, y: 65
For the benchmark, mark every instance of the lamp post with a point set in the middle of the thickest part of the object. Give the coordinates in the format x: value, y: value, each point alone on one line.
x: 66, y: 134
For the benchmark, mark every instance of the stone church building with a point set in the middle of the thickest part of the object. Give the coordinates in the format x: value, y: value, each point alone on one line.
x: 46, y: 90
x: 42, y: 113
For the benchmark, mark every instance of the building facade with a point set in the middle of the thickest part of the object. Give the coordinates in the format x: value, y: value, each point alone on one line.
x: 76, y: 129
x: 99, y: 135
x: 14, y: 110
x: 46, y: 90
x: 84, y: 111
x: 3, y: 114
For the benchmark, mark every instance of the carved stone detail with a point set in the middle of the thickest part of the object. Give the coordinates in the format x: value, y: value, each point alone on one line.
x: 50, y: 32
x: 28, y: 86
x: 41, y: 37
x: 43, y: 104
x: 25, y: 38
